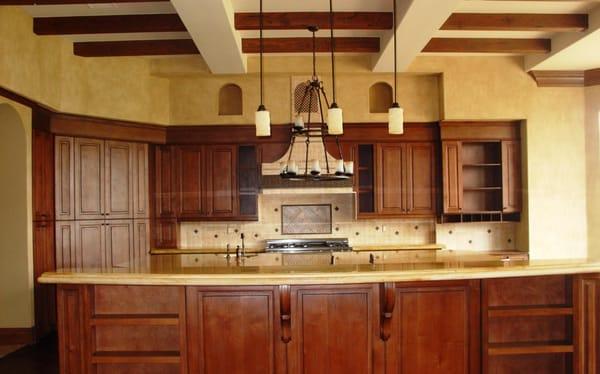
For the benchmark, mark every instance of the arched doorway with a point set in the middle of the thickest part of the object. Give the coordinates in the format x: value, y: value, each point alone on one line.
x: 16, y: 285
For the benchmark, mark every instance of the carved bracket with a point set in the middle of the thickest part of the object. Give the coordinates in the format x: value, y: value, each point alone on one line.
x: 285, y: 312
x: 388, y: 302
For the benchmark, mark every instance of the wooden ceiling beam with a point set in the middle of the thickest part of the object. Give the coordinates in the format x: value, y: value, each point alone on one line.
x: 488, y: 45
x: 516, y: 22
x: 592, y: 77
x: 304, y: 45
x: 108, y: 24
x: 301, y: 20
x: 558, y: 78
x: 135, y: 48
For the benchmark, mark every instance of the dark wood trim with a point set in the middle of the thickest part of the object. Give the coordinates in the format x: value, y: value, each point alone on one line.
x: 558, y: 78
x: 82, y: 126
x: 302, y: 45
x: 301, y: 20
x: 19, y: 335
x: 481, y: 130
x: 378, y: 133
x: 69, y: 2
x: 136, y: 48
x: 516, y: 22
x: 108, y: 24
x: 212, y: 134
x: 11, y: 95
x: 488, y: 45
x: 592, y: 77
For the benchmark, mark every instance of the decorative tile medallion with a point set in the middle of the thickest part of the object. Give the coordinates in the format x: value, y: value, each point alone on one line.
x: 306, y: 219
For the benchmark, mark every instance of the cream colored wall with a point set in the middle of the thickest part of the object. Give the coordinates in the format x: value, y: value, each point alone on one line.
x: 592, y: 126
x: 45, y: 69
x: 16, y: 255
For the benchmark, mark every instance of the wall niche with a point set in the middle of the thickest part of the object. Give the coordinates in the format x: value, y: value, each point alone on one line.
x: 380, y: 97
x: 230, y: 100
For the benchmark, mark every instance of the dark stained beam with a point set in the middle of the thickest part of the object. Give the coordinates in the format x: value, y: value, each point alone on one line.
x: 516, y: 22
x: 488, y: 45
x: 592, y: 77
x: 67, y: 2
x: 300, y: 45
x: 108, y: 24
x: 301, y: 20
x: 558, y: 78
x: 136, y: 48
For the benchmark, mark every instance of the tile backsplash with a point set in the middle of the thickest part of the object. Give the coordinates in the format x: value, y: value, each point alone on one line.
x: 216, y: 235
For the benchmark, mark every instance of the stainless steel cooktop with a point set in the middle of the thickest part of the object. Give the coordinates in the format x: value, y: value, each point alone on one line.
x: 307, y: 245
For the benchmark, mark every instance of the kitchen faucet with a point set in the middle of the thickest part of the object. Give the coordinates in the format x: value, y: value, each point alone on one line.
x: 243, y: 246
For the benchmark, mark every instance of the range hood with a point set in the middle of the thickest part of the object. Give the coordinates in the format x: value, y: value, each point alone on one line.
x: 273, y: 183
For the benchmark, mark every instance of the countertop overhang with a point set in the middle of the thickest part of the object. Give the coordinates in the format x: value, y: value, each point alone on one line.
x: 167, y: 270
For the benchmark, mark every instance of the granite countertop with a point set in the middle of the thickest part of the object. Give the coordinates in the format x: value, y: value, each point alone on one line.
x: 168, y: 270
x: 365, y: 248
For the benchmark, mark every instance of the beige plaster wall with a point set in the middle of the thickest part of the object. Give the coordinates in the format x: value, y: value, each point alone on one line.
x: 45, y: 69
x: 16, y: 255
x: 592, y: 127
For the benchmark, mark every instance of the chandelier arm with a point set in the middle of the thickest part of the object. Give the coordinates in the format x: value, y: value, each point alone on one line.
x: 339, y: 147
x: 292, y: 142
x: 323, y: 128
x: 310, y: 101
x: 307, y: 141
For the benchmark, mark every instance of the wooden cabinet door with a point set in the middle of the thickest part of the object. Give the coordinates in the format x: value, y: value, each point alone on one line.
x: 141, y: 241
x: 141, y: 205
x: 89, y: 179
x: 165, y: 233
x: 118, y: 245
x: 44, y: 294
x: 221, y: 179
x: 64, y: 178
x: 164, y: 181
x: 435, y: 328
x: 231, y: 330
x: 420, y: 178
x: 391, y: 197
x: 118, y: 180
x: 43, y: 175
x: 334, y: 330
x: 90, y: 244
x: 452, y: 176
x: 511, y: 176
x: 66, y: 253
x: 190, y: 166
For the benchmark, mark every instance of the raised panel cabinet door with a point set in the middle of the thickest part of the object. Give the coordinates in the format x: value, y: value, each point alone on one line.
x: 586, y: 320
x: 334, y: 330
x: 141, y: 241
x: 511, y: 176
x: 420, y: 178
x: 118, y: 179
x: 165, y: 233
x: 221, y: 181
x: 64, y: 178
x: 89, y: 178
x: 71, y: 323
x: 90, y: 244
x: 231, y: 330
x: 141, y: 204
x: 66, y: 251
x: 390, y: 190
x: 190, y: 165
x: 119, y: 251
x: 435, y: 328
x: 164, y: 181
x: 452, y: 176
x: 43, y: 175
x: 44, y: 260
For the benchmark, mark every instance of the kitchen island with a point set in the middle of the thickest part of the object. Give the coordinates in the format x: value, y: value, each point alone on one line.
x: 440, y: 316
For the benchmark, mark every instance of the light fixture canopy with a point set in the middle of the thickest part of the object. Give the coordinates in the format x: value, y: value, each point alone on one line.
x: 395, y: 113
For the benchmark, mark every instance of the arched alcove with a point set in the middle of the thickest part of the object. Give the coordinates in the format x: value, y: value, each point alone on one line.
x: 230, y: 100
x: 16, y: 309
x: 380, y: 97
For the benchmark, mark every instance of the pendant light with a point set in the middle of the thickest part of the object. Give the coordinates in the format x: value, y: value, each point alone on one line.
x: 335, y: 121
x: 395, y: 113
x: 262, y: 117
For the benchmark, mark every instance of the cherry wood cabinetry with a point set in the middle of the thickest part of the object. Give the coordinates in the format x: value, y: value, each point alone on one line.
x: 233, y: 330
x: 587, y: 323
x: 43, y: 173
x: 511, y: 176
x: 64, y: 171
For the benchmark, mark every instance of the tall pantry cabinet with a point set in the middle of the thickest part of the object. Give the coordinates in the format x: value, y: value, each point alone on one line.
x: 101, y: 202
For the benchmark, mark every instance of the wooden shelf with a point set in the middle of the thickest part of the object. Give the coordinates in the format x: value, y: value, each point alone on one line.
x: 135, y: 319
x: 136, y: 357
x: 501, y: 349
x: 484, y: 189
x: 533, y: 311
x: 481, y: 165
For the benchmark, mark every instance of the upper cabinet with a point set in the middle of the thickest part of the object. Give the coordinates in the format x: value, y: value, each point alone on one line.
x: 481, y: 168
x: 43, y: 175
x: 96, y: 179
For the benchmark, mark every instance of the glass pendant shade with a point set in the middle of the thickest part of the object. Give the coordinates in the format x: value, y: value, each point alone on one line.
x: 396, y: 120
x: 335, y: 120
x: 262, y: 120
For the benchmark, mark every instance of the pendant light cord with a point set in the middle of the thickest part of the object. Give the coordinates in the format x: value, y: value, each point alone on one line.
x: 332, y: 48
x: 261, y: 51
x: 395, y: 59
